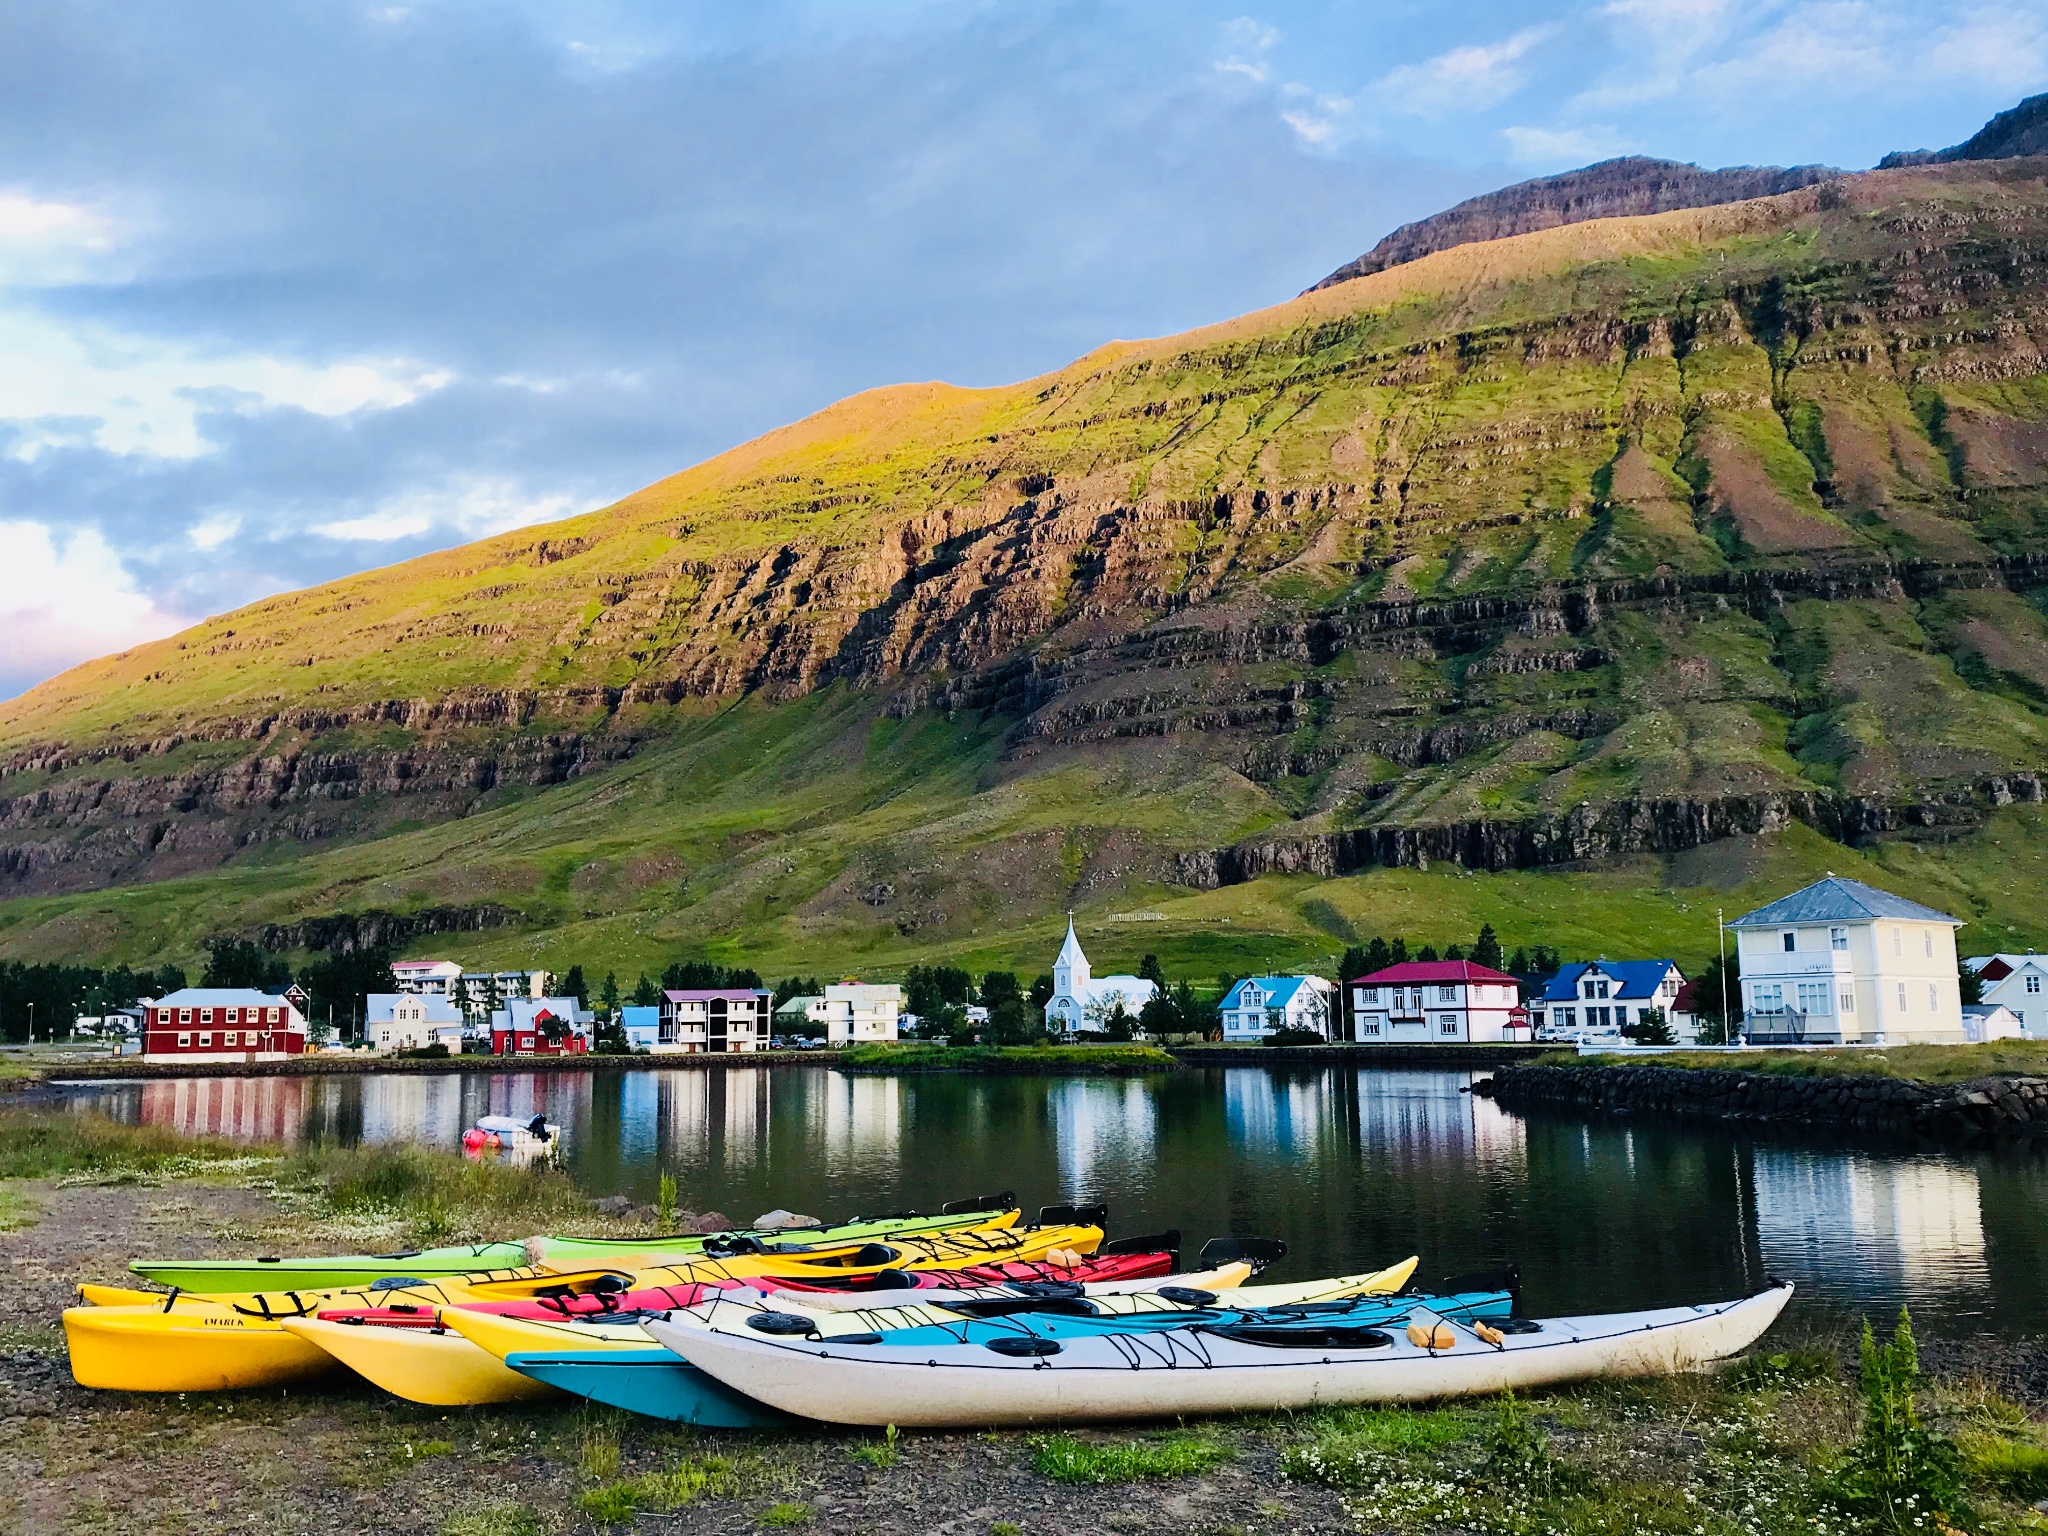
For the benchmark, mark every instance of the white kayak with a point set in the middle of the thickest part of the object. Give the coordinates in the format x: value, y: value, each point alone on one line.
x: 1195, y: 1370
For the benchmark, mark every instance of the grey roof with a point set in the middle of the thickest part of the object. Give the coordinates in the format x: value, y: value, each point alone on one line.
x: 1836, y: 900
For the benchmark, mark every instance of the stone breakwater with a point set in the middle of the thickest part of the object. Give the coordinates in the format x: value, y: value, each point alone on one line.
x: 1989, y: 1109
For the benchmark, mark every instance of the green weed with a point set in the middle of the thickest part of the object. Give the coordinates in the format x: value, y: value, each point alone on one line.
x: 505, y: 1519
x: 1065, y: 1459
x: 880, y: 1454
x: 703, y: 1477
x: 784, y: 1516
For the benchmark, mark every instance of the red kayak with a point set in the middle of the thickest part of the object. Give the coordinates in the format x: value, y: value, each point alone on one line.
x: 666, y: 1298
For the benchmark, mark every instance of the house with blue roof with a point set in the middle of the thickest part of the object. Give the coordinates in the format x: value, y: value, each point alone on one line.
x: 1839, y: 962
x: 1260, y: 1006
x: 1597, y: 999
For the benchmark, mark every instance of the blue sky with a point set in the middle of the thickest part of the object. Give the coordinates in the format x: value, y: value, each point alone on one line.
x: 290, y: 289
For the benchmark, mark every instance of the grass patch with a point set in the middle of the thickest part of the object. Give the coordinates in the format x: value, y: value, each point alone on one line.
x: 17, y: 1211
x: 47, y: 1144
x: 1912, y: 1063
x: 880, y: 1454
x: 1006, y: 1058
x: 700, y: 1477
x: 1065, y: 1459
x: 784, y: 1516
x: 501, y: 1519
x: 434, y: 1195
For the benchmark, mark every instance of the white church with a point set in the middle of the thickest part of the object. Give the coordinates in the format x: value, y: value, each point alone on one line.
x: 1082, y: 1002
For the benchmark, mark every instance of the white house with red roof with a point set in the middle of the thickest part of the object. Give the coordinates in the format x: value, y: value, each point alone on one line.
x: 1437, y: 1002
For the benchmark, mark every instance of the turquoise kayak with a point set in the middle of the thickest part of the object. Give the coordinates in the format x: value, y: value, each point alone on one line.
x: 653, y: 1382
x: 209, y: 1277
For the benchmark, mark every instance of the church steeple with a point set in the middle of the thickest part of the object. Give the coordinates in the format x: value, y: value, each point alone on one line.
x: 1070, y: 972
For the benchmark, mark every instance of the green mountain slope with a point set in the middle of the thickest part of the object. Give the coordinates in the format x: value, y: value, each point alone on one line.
x: 1605, y: 547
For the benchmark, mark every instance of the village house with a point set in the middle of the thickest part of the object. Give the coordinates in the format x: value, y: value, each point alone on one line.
x: 641, y: 1025
x: 714, y: 1019
x: 540, y: 1026
x: 1082, y: 1002
x: 1599, y: 999
x: 402, y: 1021
x: 801, y: 1015
x: 1840, y: 962
x: 1437, y: 1002
x: 861, y: 1014
x: 1260, y: 1006
x: 222, y: 1024
x: 2017, y: 982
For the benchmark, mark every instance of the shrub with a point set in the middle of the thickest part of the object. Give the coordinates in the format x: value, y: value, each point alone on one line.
x: 1294, y: 1037
x: 1899, y: 1474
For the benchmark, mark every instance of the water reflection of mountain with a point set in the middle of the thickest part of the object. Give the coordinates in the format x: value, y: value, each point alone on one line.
x: 1849, y: 1225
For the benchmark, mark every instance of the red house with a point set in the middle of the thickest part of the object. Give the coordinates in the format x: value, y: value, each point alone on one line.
x: 222, y: 1024
x: 538, y: 1026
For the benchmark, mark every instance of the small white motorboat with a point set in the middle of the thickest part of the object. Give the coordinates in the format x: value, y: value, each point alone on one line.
x: 1029, y: 1379
x: 522, y: 1140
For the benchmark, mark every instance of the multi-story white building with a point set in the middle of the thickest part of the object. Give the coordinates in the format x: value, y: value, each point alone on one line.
x: 714, y: 1019
x: 1437, y: 1002
x: 1841, y: 962
x: 1260, y: 1006
x: 428, y: 978
x: 861, y: 1014
x: 1082, y: 1001
x: 2018, y: 982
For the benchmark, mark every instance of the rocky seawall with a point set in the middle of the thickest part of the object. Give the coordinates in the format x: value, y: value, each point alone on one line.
x: 1986, y: 1110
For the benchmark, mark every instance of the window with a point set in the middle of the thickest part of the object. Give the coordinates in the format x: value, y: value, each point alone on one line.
x: 205, y: 1041
x: 184, y: 1015
x: 1447, y: 994
x: 184, y: 1041
x: 1567, y: 1018
x: 1848, y: 1002
x: 1838, y: 938
x: 1447, y: 1023
x: 232, y: 1037
x: 1813, y: 996
x: 1586, y: 989
x: 1902, y: 997
x: 1898, y: 941
x: 1769, y: 997
x: 1369, y: 1027
x: 1933, y: 999
x: 1603, y: 987
x: 2033, y: 981
x: 1927, y: 941
x: 1791, y: 941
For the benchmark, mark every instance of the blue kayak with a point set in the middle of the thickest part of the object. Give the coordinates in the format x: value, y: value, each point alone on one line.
x: 652, y: 1382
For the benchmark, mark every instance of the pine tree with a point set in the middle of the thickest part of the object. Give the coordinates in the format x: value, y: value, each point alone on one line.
x: 1518, y: 964
x: 1148, y: 970
x: 1486, y: 948
x: 1455, y: 952
x: 1427, y: 953
x: 1377, y: 956
x: 645, y: 993
x: 1398, y: 954
x: 608, y: 994
x: 573, y: 985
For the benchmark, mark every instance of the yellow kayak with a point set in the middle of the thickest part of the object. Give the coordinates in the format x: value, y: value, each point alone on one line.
x: 421, y: 1365
x: 146, y: 1349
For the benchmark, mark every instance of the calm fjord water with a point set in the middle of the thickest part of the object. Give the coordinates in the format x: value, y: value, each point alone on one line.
x: 1354, y: 1168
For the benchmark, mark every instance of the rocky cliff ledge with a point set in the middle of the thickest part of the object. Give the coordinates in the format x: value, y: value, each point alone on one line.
x: 1989, y: 1109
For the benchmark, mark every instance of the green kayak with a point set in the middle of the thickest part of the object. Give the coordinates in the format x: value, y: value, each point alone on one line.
x: 207, y: 1277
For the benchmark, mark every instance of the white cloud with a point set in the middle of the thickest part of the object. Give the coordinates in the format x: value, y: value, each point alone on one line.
x: 473, y: 508
x: 1317, y: 121
x: 1246, y: 39
x: 214, y: 531
x: 1464, y: 79
x: 63, y: 605
x: 67, y: 382
x: 1562, y: 147
x: 45, y: 243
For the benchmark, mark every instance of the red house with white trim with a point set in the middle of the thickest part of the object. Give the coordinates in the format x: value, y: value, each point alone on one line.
x: 539, y: 1026
x: 1437, y: 1002
x: 222, y: 1024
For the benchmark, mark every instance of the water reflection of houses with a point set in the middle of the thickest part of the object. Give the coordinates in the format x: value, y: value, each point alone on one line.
x: 1849, y: 1224
x: 1106, y: 1131
x: 238, y: 1108
x: 857, y: 1123
x: 1282, y: 1113
x: 1431, y: 1117
x: 714, y: 1118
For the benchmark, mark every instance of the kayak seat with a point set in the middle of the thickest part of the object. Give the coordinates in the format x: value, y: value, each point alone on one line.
x: 1515, y: 1324
x: 1259, y: 1252
x: 1002, y: 1202
x: 1187, y: 1296
x: 781, y: 1324
x: 1048, y: 1288
x: 410, y: 1253
x: 1309, y: 1336
x: 1023, y: 1346
x: 857, y: 1338
x: 1072, y: 1215
x: 393, y: 1283
x: 1158, y: 1242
